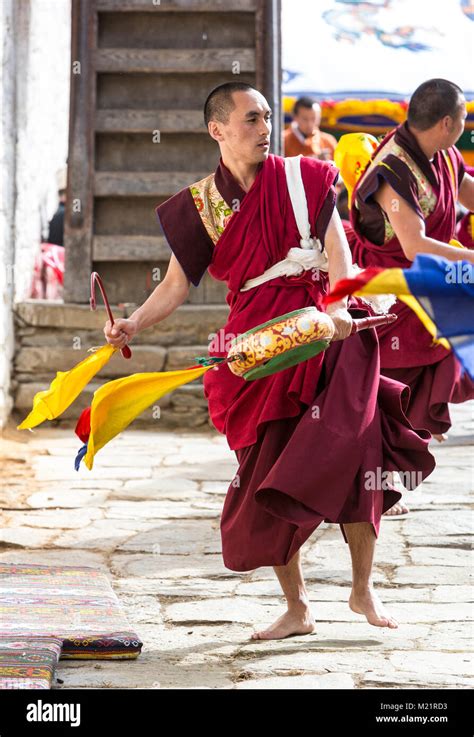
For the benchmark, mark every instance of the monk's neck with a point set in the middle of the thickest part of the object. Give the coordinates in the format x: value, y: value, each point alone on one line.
x: 244, y: 174
x: 425, y: 142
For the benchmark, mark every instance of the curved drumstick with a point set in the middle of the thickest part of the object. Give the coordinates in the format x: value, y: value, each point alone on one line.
x: 372, y: 322
x: 125, y: 351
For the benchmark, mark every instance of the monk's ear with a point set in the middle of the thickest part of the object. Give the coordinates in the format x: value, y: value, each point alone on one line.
x: 214, y: 130
x: 447, y: 124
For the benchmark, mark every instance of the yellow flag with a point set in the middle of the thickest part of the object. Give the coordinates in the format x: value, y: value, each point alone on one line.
x: 116, y: 404
x: 65, y: 388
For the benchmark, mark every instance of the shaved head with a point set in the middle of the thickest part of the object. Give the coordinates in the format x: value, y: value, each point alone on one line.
x: 219, y: 103
x: 239, y: 119
x: 432, y: 101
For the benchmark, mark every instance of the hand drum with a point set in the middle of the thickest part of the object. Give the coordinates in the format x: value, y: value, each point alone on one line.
x: 287, y: 340
x: 280, y: 343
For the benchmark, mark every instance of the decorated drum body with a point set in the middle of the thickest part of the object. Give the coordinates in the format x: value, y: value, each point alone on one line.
x: 280, y: 343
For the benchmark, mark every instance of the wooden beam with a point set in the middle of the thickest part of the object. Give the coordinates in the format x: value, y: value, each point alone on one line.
x: 130, y: 248
x: 142, y: 183
x: 144, y: 121
x: 268, y: 64
x: 79, y: 198
x: 175, y: 60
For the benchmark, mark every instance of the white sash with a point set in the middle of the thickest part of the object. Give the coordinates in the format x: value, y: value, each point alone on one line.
x: 310, y: 255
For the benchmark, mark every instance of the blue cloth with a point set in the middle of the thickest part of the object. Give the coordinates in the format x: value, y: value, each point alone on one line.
x: 445, y: 289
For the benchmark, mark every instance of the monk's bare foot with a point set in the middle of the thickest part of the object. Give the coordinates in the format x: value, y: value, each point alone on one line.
x: 295, y: 621
x: 440, y: 438
x: 367, y: 602
x: 397, y: 510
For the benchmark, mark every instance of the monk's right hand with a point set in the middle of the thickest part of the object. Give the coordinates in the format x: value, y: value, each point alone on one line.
x: 342, y: 322
x: 121, y: 332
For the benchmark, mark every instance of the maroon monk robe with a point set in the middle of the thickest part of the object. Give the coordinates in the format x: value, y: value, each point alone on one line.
x: 407, y: 351
x: 310, y: 439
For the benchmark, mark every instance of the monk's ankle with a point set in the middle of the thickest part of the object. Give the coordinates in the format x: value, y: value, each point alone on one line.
x: 362, y: 589
x: 298, y: 606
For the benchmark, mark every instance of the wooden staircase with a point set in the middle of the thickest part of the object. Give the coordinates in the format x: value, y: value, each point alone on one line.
x: 137, y: 133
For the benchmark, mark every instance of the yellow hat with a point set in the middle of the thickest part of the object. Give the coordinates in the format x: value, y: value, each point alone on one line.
x: 353, y: 153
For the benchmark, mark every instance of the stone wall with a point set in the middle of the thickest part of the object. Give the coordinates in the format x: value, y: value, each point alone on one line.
x: 52, y: 336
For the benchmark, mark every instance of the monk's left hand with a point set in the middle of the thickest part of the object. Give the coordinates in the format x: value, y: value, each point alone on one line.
x: 342, y: 321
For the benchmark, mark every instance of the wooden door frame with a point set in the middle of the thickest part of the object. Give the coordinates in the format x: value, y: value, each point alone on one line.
x: 78, y: 222
x: 268, y: 64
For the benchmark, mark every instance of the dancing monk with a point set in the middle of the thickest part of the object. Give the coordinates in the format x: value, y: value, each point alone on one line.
x: 311, y: 441
x: 404, y: 204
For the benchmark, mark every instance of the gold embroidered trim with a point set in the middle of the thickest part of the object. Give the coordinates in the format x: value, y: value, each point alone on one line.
x: 427, y: 199
x: 213, y: 210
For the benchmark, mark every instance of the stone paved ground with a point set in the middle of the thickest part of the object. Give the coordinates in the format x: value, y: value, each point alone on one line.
x: 148, y: 515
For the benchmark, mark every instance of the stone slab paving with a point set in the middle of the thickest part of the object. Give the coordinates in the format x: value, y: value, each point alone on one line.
x: 148, y: 515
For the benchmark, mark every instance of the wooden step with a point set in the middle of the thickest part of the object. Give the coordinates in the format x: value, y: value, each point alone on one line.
x: 159, y: 184
x: 176, y: 6
x: 148, y: 152
x: 145, y: 121
x: 162, y: 92
x: 163, y: 30
x: 175, y: 60
x: 130, y: 248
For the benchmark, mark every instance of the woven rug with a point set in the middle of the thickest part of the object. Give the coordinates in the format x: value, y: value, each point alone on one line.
x: 28, y: 662
x: 74, y: 604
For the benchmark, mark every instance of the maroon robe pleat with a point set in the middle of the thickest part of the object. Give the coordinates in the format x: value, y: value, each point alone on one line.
x: 329, y: 463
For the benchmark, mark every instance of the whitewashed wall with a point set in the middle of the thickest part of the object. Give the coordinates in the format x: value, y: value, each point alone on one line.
x: 35, y: 62
x: 7, y: 202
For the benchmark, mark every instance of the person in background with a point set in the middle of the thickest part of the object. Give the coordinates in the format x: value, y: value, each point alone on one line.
x: 56, y: 224
x: 303, y: 135
x: 48, y: 269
